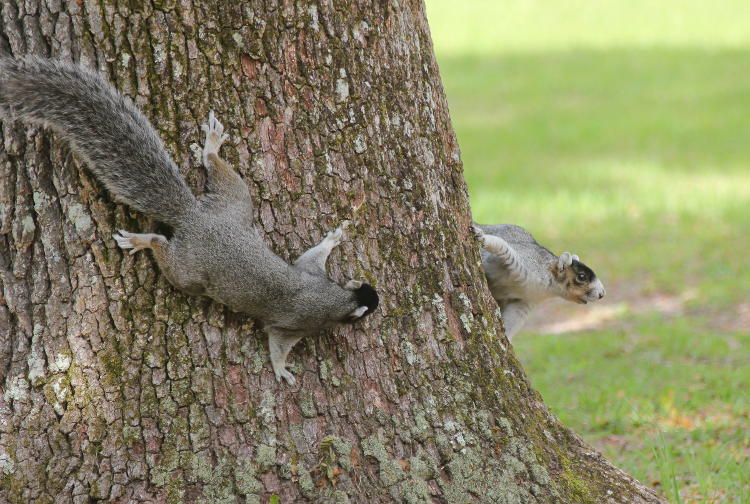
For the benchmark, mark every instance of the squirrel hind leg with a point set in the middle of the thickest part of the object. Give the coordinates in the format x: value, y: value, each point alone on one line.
x: 222, y: 179
x: 189, y: 280
x: 137, y: 241
x: 215, y: 137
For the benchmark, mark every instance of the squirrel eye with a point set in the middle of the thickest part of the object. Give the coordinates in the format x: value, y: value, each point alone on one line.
x: 581, y: 276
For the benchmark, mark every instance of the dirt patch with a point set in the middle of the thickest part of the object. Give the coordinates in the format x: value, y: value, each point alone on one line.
x: 558, y: 317
x: 737, y: 319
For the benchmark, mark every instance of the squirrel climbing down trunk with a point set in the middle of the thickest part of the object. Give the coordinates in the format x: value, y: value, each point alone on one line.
x: 214, y: 249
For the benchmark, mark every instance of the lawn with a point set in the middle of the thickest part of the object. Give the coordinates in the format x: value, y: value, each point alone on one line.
x: 620, y: 130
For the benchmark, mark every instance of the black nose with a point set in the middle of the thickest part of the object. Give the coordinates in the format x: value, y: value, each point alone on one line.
x: 601, y: 295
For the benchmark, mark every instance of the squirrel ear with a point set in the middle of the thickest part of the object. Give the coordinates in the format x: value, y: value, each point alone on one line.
x: 563, y: 261
x: 353, y: 284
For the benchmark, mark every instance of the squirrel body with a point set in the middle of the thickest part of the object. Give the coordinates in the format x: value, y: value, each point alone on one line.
x: 521, y: 273
x: 214, y: 248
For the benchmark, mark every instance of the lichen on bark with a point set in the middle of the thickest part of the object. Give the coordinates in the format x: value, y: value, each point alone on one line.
x: 116, y: 387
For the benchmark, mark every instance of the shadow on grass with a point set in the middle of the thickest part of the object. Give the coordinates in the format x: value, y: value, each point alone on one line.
x: 688, y: 109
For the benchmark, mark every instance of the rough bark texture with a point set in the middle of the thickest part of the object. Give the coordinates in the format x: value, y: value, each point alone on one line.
x: 114, y: 386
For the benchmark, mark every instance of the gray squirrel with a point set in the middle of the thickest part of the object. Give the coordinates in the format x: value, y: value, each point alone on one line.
x: 521, y: 273
x: 214, y: 248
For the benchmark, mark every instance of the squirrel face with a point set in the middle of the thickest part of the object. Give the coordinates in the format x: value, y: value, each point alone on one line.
x: 579, y: 283
x: 366, y: 297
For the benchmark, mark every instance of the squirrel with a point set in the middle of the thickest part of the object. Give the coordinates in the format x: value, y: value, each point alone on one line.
x: 214, y: 248
x: 521, y: 273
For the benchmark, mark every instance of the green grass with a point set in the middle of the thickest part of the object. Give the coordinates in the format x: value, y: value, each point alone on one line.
x: 620, y: 130
x: 491, y: 26
x: 662, y: 399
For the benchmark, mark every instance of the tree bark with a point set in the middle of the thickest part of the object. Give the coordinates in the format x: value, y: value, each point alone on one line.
x: 114, y: 386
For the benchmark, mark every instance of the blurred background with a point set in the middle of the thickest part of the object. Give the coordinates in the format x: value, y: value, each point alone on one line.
x: 620, y: 130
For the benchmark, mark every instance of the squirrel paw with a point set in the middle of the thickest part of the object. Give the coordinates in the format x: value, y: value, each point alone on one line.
x: 335, y: 237
x: 478, y: 234
x: 134, y: 241
x: 215, y: 135
x: 286, y: 375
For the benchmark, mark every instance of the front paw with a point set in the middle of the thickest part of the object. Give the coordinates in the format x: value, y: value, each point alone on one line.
x: 353, y: 284
x: 357, y: 313
x: 478, y: 234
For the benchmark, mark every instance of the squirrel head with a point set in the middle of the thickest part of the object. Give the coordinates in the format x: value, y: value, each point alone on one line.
x: 366, y: 298
x: 577, y: 281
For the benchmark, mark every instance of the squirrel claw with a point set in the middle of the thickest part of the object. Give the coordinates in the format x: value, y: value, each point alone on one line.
x: 126, y: 240
x: 286, y: 375
x: 215, y: 135
x: 478, y: 233
x: 335, y: 236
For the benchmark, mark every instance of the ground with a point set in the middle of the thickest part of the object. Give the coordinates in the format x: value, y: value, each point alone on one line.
x: 622, y: 133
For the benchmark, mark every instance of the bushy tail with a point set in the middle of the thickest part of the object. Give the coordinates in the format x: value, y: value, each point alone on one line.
x: 104, y: 129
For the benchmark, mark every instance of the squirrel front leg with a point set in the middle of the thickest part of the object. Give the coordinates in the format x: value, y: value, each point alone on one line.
x: 314, y: 259
x: 279, y: 345
x: 498, y: 247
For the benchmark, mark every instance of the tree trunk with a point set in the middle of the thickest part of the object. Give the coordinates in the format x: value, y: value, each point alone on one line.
x: 117, y: 387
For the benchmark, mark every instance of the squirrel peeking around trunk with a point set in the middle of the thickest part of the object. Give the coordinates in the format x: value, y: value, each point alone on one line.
x: 521, y: 274
x: 215, y: 249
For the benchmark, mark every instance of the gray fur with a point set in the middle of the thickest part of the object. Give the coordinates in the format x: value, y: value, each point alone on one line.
x: 104, y: 129
x: 215, y: 248
x: 521, y: 273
